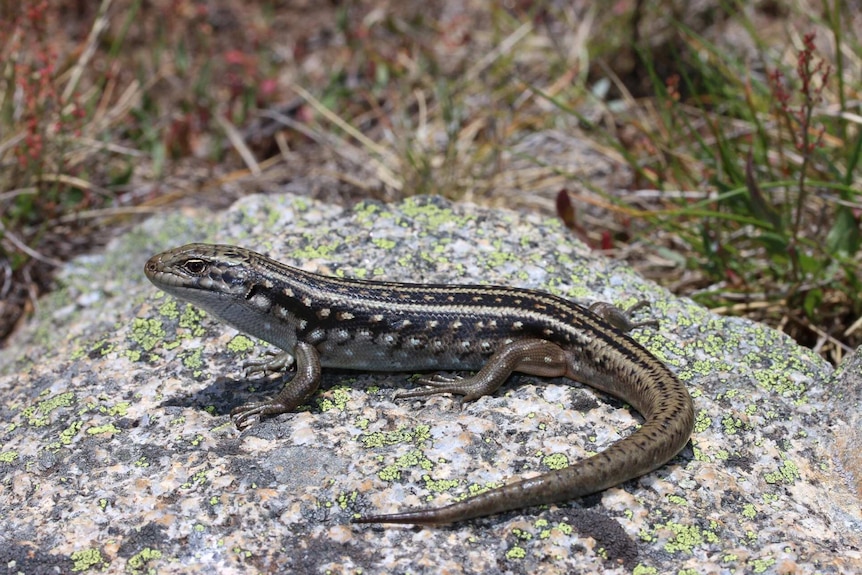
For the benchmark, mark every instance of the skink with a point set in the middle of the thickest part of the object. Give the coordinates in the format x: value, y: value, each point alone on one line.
x: 320, y: 321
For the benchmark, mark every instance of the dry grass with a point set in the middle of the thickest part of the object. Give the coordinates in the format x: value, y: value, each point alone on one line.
x: 651, y: 128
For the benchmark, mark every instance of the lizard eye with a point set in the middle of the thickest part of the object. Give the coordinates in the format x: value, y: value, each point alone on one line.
x: 195, y: 267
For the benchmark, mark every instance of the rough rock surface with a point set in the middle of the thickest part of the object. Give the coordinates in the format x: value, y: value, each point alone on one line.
x: 118, y: 453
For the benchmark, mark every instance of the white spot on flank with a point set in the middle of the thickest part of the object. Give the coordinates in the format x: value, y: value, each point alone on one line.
x: 261, y: 302
x: 376, y: 318
x: 323, y: 312
x: 345, y: 315
x: 518, y: 325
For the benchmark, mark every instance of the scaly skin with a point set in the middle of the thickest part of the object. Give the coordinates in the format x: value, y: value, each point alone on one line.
x: 385, y: 326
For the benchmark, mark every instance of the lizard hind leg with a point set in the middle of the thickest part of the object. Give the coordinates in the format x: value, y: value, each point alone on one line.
x: 531, y: 356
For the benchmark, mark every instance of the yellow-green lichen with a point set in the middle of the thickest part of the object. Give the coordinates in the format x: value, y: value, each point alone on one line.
x: 516, y: 552
x: 642, y: 569
x: 556, y: 461
x: 240, y: 344
x: 98, y: 429
x: 87, y: 559
x: 121, y: 409
x: 417, y: 435
x: 732, y: 425
x: 522, y: 534
x: 139, y: 561
x: 646, y: 536
x: 345, y: 500
x: 37, y: 415
x: 702, y: 421
x: 700, y: 455
x: 433, y: 216
x: 67, y: 435
x: 191, y: 318
x: 147, y: 333
x: 384, y: 243
x: 439, y: 485
x: 686, y: 537
x: 413, y: 458
x: 340, y: 396
x: 761, y: 565
x: 8, y: 456
x: 478, y: 489
x: 198, y: 479
x: 787, y: 473
x: 677, y: 500
x: 749, y: 511
x: 169, y: 309
x: 314, y: 249
x: 193, y: 360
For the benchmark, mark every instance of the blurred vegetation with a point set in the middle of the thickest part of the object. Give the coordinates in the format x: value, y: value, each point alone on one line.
x: 713, y: 145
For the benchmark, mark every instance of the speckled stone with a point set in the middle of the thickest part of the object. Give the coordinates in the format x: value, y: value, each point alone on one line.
x: 118, y: 454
